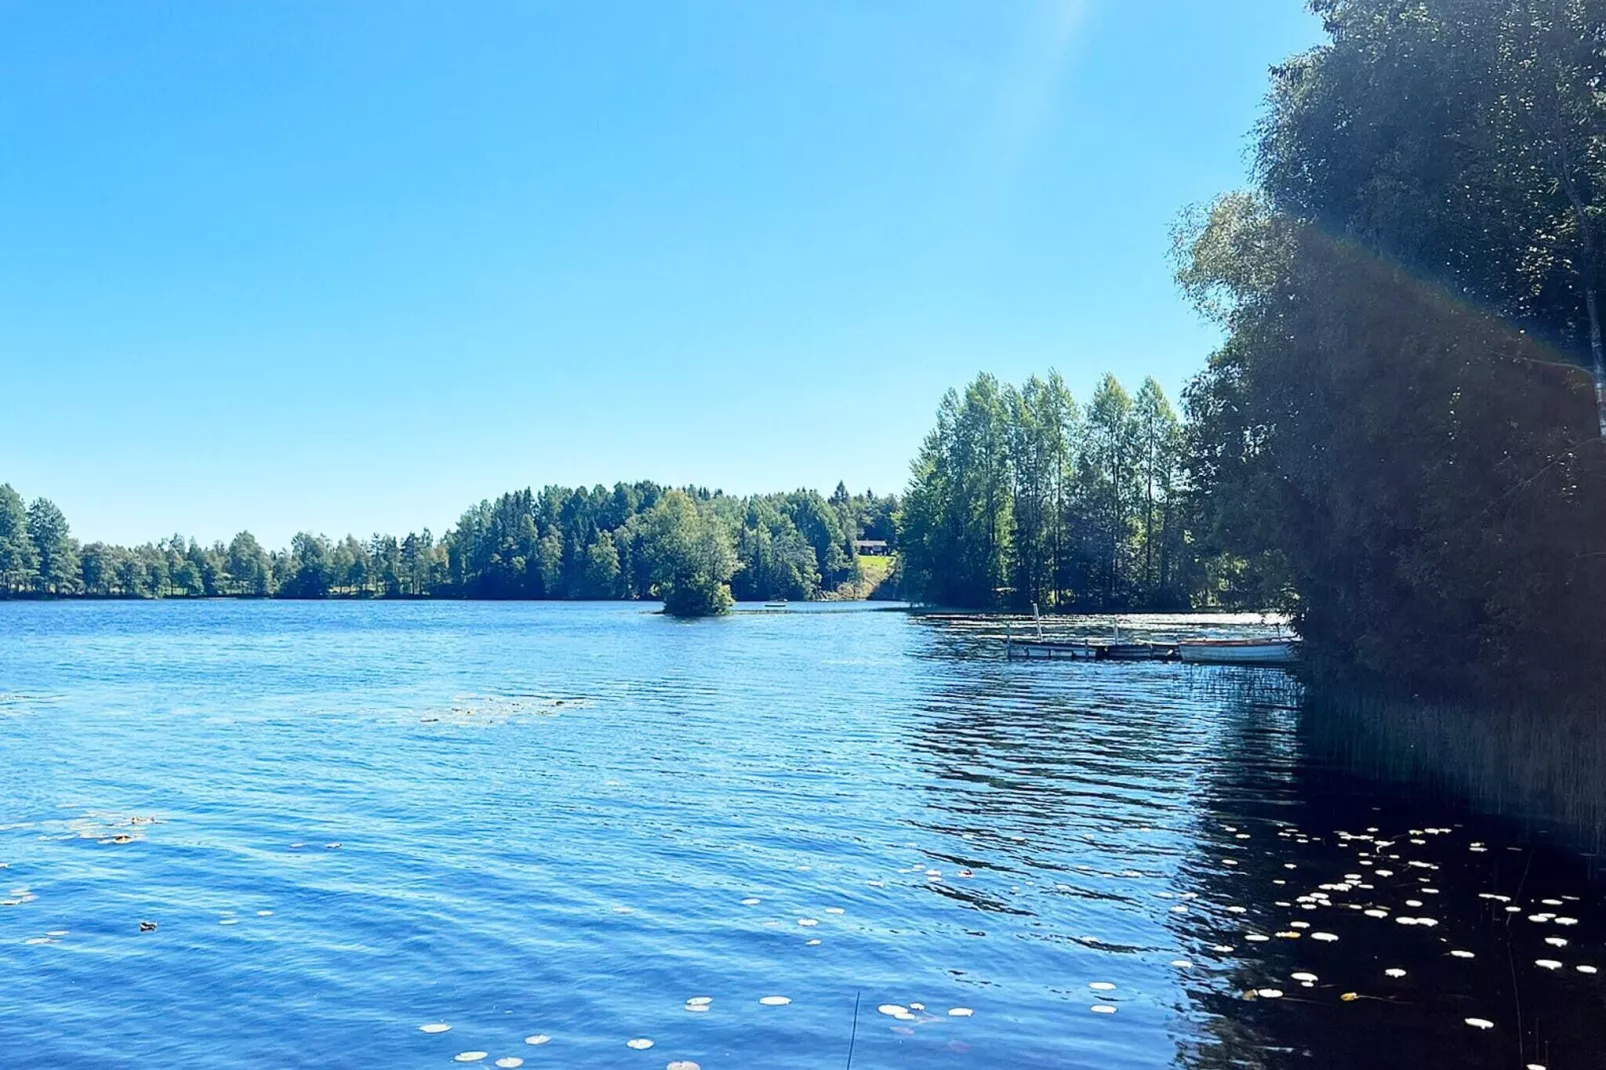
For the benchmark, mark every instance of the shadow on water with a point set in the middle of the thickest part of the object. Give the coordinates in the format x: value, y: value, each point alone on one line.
x: 1441, y: 916
x: 1322, y: 917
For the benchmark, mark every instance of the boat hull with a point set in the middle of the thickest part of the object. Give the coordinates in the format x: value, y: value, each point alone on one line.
x: 1239, y: 652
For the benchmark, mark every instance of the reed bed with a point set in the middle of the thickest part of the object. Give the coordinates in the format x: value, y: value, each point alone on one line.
x: 1543, y: 767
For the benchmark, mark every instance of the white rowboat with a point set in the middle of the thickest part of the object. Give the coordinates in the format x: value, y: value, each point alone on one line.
x: 1239, y: 651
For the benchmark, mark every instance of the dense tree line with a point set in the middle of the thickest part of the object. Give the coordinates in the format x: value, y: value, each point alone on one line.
x: 1407, y: 417
x: 1021, y: 497
x: 694, y: 549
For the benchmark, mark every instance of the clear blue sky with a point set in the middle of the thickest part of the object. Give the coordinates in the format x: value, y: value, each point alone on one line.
x: 353, y: 266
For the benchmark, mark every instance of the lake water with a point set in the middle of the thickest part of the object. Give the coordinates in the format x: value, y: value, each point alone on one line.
x: 566, y: 821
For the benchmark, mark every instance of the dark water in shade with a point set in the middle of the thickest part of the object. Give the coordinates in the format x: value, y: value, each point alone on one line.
x: 548, y: 817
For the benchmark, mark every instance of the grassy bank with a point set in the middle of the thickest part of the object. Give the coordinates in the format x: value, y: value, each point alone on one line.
x: 874, y: 572
x: 1543, y: 767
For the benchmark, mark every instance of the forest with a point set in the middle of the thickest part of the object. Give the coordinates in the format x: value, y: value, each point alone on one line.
x: 1018, y: 498
x: 694, y: 549
x: 1021, y: 497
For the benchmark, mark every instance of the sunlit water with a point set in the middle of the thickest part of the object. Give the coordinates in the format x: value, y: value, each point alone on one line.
x: 566, y: 821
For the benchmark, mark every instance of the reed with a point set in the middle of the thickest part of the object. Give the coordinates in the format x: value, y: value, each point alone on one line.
x: 1533, y: 765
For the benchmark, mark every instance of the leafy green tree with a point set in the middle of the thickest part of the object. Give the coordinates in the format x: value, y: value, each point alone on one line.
x: 1413, y: 464
x: 1042, y: 418
x: 1109, y: 470
x: 1159, y: 445
x: 309, y: 571
x: 385, y: 552
x: 350, y: 566
x: 1461, y: 139
x: 97, y: 567
x: 691, y: 557
x: 1396, y: 422
x: 820, y: 524
x: 131, y: 577
x: 549, y: 564
x: 957, y: 515
x: 777, y: 561
x: 601, y: 570
x: 879, y: 518
x: 248, y: 567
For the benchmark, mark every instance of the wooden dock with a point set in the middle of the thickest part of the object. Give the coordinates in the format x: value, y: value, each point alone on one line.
x: 1268, y: 651
x: 1067, y: 638
x: 1088, y: 651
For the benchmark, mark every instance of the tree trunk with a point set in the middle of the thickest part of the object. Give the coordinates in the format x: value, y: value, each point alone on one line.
x: 1148, y: 526
x: 1597, y: 356
x: 1589, y: 269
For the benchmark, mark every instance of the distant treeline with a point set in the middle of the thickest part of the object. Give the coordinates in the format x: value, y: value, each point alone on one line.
x: 1019, y: 498
x: 637, y: 540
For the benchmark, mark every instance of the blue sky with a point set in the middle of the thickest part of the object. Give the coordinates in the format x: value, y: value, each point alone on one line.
x: 353, y: 266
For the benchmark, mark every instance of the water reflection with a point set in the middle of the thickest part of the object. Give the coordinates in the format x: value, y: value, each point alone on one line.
x: 1440, y: 918
x: 1313, y: 918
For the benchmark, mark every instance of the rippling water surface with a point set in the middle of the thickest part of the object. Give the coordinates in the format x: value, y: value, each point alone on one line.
x: 351, y: 820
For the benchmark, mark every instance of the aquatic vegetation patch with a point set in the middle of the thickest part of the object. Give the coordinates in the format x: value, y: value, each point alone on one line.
x: 487, y: 710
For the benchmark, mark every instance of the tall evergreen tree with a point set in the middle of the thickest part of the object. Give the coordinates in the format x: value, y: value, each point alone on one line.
x: 19, y: 561
x: 58, y: 553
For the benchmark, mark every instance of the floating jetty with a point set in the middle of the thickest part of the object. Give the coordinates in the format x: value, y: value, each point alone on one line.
x: 1269, y: 651
x: 1199, y: 639
x: 1088, y: 650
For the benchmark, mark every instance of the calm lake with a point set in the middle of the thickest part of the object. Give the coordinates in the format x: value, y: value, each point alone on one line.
x: 563, y: 822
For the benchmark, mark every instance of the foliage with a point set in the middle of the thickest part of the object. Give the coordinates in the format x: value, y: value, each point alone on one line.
x: 19, y: 561
x: 1428, y: 479
x: 54, y: 548
x: 1463, y: 140
x: 1020, y: 498
x: 555, y: 543
x: 1398, y: 426
x: 690, y: 557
